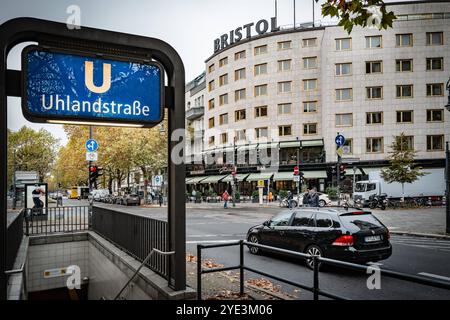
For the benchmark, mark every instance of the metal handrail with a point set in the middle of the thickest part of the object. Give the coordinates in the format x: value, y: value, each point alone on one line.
x: 154, y: 250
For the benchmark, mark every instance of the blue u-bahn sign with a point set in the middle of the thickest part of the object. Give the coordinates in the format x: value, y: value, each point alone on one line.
x: 80, y: 87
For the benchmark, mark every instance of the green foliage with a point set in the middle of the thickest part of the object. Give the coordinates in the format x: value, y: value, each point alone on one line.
x: 237, y: 195
x: 255, y: 194
x: 354, y: 13
x: 332, y: 192
x: 283, y: 194
x: 402, y: 168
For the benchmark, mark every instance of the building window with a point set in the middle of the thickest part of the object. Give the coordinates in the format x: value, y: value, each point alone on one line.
x: 211, y: 140
x: 310, y: 63
x: 435, y: 143
x: 224, y: 138
x: 343, y: 69
x: 435, y: 115
x: 374, y: 117
x: 211, y: 68
x: 239, y: 55
x: 260, y: 69
x: 405, y: 116
x: 311, y: 42
x: 284, y: 108
x: 309, y: 106
x: 404, y: 40
x: 223, y: 79
x: 223, y: 62
x: 211, y: 123
x: 223, y: 99
x: 374, y: 67
x: 349, y: 145
x: 211, y: 85
x: 240, y: 135
x: 373, y: 42
x: 404, y: 65
x: 284, y: 87
x: 309, y: 128
x: 374, y: 145
x: 344, y: 120
x: 344, y: 94
x: 262, y: 132
x: 406, y: 142
x: 435, y: 64
x: 240, y: 94
x: 309, y: 84
x: 435, y: 89
x: 239, y: 74
x: 260, y: 111
x: 405, y: 91
x: 435, y: 38
x: 260, y: 50
x: 284, y: 131
x: 284, y: 45
x: 261, y: 90
x: 284, y: 65
x: 343, y: 44
x: 211, y: 104
x: 374, y: 93
x: 239, y: 115
x: 223, y: 119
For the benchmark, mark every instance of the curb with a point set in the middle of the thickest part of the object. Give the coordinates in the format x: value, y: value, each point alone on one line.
x: 422, y: 235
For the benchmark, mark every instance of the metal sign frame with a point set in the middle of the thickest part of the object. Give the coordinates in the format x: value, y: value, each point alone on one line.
x: 86, y: 53
x: 50, y: 34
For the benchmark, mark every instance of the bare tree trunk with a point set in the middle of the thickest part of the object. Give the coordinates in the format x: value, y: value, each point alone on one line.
x: 144, y: 175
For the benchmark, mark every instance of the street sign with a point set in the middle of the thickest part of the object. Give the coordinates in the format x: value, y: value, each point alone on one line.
x: 340, y: 140
x: 340, y: 151
x: 296, y: 178
x: 260, y: 183
x: 81, y: 87
x: 350, y: 160
x: 346, y: 149
x: 91, y: 156
x: 157, y: 181
x: 296, y: 170
x: 91, y: 145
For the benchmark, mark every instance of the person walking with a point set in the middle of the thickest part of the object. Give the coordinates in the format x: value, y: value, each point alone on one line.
x: 225, y: 198
x: 314, y: 198
x: 305, y: 199
x: 290, y: 199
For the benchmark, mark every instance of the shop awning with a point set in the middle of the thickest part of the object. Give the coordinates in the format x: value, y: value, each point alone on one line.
x: 315, y: 174
x: 290, y: 144
x: 312, y: 143
x: 213, y: 179
x: 349, y: 171
x: 270, y: 145
x: 247, y: 147
x: 283, y: 176
x: 259, y: 176
x: 195, y: 180
x: 239, y: 177
x: 370, y: 170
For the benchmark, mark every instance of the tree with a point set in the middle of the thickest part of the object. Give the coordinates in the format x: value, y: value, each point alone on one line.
x: 364, y: 13
x: 35, y: 151
x: 402, y: 167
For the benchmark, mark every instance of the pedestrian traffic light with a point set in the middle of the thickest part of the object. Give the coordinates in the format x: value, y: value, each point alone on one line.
x: 93, y: 175
x: 342, y: 172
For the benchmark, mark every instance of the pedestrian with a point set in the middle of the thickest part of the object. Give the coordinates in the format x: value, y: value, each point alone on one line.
x: 160, y: 199
x: 225, y: 197
x: 305, y: 199
x: 290, y: 199
x: 314, y: 198
x: 270, y: 196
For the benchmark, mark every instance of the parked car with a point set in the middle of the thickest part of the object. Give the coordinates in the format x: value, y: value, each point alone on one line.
x: 298, y: 200
x: 350, y: 235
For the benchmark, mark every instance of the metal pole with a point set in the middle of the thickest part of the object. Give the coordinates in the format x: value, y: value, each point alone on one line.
x: 90, y: 162
x: 447, y: 191
x: 233, y: 183
x: 313, y: 12
x: 316, y: 277
x: 14, y: 181
x: 241, y: 267
x: 199, y: 272
x: 354, y: 180
x: 294, y: 14
x: 298, y: 182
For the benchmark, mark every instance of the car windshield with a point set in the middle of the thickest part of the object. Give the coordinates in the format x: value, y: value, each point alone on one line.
x: 360, y: 187
x: 281, y: 219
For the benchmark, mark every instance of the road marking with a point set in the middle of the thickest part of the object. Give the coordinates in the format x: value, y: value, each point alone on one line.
x: 212, y: 241
x: 434, y: 276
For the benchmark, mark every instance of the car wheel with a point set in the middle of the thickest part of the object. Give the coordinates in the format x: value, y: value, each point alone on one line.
x: 313, y: 250
x: 253, y: 239
x: 322, y: 203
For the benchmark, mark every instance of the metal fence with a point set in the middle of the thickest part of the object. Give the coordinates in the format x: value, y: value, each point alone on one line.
x: 56, y: 219
x: 315, y: 288
x: 14, y: 237
x: 136, y: 235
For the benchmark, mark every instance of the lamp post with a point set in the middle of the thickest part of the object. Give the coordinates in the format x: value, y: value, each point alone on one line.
x: 447, y: 171
x: 233, y: 184
x: 314, y: 18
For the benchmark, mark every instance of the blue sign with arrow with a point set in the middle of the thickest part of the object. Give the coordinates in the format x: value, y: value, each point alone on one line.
x: 77, y: 87
x: 91, y: 145
x: 340, y: 140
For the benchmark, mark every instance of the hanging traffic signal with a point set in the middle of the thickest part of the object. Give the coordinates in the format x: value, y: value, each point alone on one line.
x: 342, y: 172
x: 93, y: 174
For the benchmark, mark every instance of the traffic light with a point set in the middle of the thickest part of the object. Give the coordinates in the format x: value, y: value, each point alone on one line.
x: 342, y: 172
x: 94, y: 173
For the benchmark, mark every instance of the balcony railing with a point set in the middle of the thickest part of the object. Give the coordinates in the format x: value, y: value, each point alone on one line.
x: 195, y: 113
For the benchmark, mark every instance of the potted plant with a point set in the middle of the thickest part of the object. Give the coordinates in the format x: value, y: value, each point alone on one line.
x: 283, y: 194
x: 212, y: 197
x: 332, y: 193
x: 237, y: 197
x: 198, y: 197
x: 255, y: 196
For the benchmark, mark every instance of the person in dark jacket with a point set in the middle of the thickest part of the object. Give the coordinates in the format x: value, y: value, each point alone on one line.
x: 289, y: 199
x: 306, y: 198
x: 313, y: 198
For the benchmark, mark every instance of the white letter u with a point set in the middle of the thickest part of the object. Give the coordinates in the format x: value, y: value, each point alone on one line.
x: 89, y: 77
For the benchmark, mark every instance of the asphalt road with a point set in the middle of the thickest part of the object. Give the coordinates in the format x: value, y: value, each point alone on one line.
x: 413, y: 255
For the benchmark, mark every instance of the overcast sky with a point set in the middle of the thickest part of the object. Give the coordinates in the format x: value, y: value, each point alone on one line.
x: 190, y: 26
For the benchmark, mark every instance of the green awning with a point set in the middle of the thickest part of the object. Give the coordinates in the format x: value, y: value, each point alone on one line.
x: 239, y: 177
x: 195, y: 180
x: 283, y: 176
x: 213, y: 179
x: 312, y: 143
x: 290, y: 144
x: 314, y: 174
x: 259, y: 176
